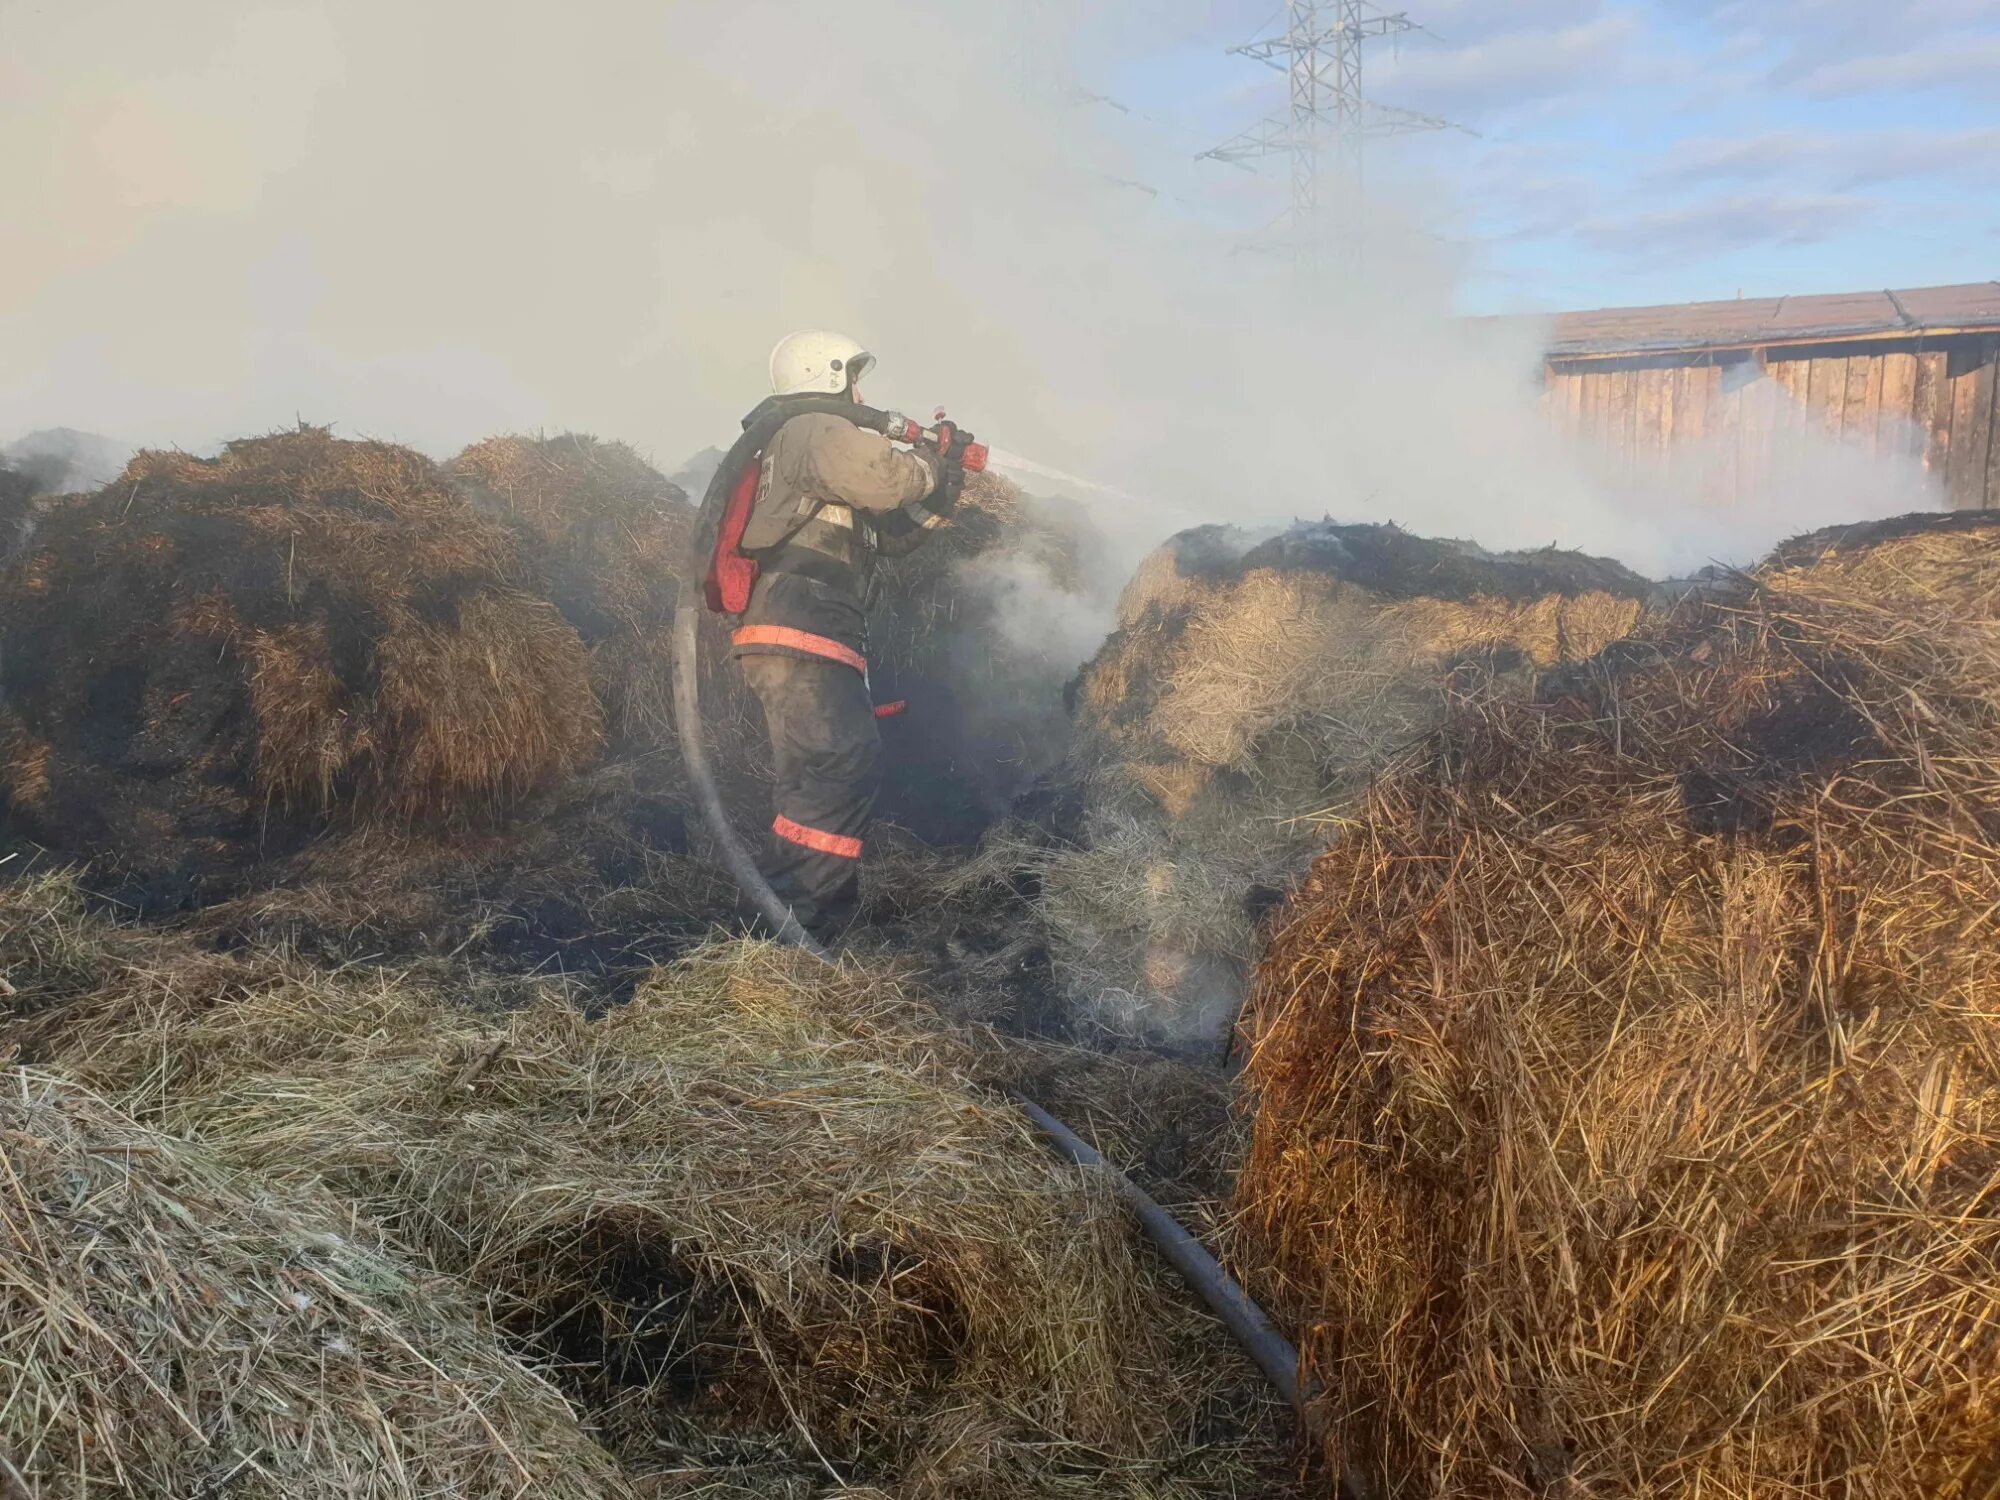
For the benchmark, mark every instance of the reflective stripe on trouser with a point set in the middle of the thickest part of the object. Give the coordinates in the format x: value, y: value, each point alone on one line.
x: 787, y: 638
x: 824, y: 749
x: 817, y: 839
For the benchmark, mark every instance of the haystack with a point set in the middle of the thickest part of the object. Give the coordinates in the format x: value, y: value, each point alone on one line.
x: 209, y: 658
x: 1250, y: 690
x: 604, y: 537
x: 173, y: 1328
x: 1627, y: 1091
x: 758, y: 1211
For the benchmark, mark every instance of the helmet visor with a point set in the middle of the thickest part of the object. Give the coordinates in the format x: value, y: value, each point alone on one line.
x: 858, y: 366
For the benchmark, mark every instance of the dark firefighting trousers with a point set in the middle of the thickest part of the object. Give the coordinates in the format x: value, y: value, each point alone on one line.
x: 825, y: 746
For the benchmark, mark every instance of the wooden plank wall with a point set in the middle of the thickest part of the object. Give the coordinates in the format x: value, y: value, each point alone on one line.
x: 1938, y: 405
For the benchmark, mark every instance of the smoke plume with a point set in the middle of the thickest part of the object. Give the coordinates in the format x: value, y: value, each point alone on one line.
x: 430, y: 223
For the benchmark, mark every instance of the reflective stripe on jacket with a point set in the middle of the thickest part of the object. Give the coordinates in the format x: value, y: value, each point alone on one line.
x: 827, y: 485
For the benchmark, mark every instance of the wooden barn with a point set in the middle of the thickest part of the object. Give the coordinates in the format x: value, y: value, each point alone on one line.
x: 1906, y: 371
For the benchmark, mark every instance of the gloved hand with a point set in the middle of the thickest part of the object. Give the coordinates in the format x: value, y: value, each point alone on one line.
x: 960, y: 441
x: 950, y: 485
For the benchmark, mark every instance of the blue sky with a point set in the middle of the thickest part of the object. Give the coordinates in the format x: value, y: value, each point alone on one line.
x: 1627, y: 153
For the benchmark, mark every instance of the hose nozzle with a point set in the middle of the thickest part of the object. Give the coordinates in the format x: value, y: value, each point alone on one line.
x: 901, y: 429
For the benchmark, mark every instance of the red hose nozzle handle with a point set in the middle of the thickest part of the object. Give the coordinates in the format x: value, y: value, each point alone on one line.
x: 901, y: 429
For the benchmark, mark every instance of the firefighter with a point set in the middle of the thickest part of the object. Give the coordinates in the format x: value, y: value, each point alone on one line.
x: 832, y: 497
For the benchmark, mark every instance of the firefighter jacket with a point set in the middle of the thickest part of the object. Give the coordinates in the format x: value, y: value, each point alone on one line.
x: 831, y: 498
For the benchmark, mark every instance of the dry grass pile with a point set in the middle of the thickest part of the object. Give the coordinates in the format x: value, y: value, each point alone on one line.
x: 758, y: 1218
x: 1252, y: 688
x: 604, y: 537
x: 210, y: 655
x: 1627, y: 1083
x: 168, y: 1327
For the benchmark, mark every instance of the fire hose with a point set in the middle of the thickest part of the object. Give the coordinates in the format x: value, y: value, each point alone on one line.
x: 1246, y: 1321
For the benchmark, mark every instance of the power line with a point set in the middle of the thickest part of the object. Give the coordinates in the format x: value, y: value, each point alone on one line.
x: 1043, y: 73
x: 1328, y: 116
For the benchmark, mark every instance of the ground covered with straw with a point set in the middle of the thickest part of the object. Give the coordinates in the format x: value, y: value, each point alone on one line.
x: 1626, y: 1081
x: 171, y: 1327
x: 761, y: 1223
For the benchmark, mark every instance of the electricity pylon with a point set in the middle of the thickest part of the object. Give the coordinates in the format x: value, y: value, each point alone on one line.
x: 1328, y: 116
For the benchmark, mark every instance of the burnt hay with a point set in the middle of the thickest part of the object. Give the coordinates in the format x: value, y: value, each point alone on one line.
x: 1251, y: 689
x: 209, y: 659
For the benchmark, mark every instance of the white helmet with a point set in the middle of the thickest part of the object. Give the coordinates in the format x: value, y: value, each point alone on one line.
x: 817, y: 363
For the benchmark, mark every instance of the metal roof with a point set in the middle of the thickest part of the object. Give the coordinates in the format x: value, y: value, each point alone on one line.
x: 1757, y: 322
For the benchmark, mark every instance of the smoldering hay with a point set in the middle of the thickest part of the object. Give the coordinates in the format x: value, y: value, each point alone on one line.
x: 985, y: 714
x: 604, y: 538
x: 209, y: 665
x: 1251, y: 688
x: 1627, y: 1095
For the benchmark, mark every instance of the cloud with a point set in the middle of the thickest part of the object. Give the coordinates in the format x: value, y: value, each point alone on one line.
x: 1829, y: 49
x: 1719, y: 225
x: 1967, y: 61
x: 1838, y: 159
x: 1527, y: 67
x: 1820, y: 29
x: 1685, y: 133
x: 1456, y: 23
x: 1529, y: 190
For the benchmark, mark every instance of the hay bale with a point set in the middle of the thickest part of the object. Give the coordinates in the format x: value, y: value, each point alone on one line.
x: 173, y: 1328
x: 604, y: 537
x: 1249, y: 692
x: 1338, y: 633
x: 210, y: 658
x: 1627, y: 1101
x: 760, y: 1206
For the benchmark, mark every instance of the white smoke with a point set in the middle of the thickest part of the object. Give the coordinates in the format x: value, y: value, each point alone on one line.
x: 435, y: 222
x: 1688, y: 508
